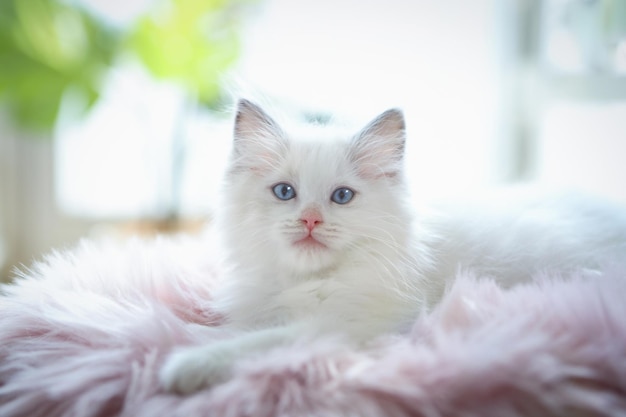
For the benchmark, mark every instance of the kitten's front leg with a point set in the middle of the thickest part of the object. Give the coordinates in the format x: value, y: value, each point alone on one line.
x: 190, y: 369
x: 193, y: 368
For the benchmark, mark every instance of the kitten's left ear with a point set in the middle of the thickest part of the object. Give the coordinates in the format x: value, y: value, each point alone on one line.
x: 378, y: 149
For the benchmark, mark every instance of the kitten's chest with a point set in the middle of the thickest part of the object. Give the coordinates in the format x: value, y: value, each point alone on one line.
x: 346, y: 297
x: 309, y: 297
x: 339, y: 295
x: 346, y: 307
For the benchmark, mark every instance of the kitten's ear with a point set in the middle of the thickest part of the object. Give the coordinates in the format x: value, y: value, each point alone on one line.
x: 378, y: 149
x: 252, y: 120
x: 258, y: 140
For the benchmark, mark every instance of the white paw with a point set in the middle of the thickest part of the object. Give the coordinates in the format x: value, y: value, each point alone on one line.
x: 191, y: 369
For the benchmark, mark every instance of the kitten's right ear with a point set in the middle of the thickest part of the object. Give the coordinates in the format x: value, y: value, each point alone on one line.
x: 252, y: 120
x: 258, y: 140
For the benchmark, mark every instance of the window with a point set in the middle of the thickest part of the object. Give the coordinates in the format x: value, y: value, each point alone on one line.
x: 581, y: 70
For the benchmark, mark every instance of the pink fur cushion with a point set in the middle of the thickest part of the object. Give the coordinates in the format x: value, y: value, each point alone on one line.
x: 84, y: 333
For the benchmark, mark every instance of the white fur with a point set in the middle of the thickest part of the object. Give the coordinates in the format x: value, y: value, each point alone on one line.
x: 516, y: 233
x: 379, y: 268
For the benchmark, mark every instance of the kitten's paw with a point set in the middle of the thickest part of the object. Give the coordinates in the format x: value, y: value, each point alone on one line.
x: 192, y: 369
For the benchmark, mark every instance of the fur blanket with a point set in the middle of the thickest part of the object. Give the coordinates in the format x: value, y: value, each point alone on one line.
x: 84, y: 333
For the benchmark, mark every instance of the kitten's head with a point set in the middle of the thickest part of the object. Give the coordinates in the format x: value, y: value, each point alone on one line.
x: 309, y: 201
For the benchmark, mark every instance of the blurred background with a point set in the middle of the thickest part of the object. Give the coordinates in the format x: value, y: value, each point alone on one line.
x: 114, y: 114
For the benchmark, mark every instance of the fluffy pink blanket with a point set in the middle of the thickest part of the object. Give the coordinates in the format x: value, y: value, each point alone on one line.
x: 84, y: 333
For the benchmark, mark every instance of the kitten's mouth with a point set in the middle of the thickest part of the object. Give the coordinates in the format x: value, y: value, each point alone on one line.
x: 309, y: 242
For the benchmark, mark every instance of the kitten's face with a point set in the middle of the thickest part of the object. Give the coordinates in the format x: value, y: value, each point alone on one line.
x: 306, y: 203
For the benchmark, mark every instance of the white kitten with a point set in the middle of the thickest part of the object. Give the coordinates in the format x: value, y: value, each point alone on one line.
x: 321, y: 240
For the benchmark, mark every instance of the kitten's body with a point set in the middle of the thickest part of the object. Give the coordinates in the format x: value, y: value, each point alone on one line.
x: 304, y: 264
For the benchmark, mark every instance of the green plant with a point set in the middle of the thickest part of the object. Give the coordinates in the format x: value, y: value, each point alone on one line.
x: 193, y: 43
x: 48, y: 47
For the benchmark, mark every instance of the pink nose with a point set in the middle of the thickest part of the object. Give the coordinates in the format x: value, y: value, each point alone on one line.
x: 311, y: 218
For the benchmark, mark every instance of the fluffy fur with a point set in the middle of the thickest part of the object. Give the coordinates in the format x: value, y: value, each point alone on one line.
x: 305, y: 301
x: 307, y: 265
x: 85, y: 332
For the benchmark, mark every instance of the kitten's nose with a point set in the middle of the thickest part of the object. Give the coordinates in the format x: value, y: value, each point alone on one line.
x: 311, y: 218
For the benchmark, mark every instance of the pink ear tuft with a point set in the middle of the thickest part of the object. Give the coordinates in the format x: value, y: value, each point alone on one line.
x: 258, y: 140
x: 379, y: 148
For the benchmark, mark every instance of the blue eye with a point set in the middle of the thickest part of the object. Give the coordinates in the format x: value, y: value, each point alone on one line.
x: 342, y: 195
x: 284, y: 191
